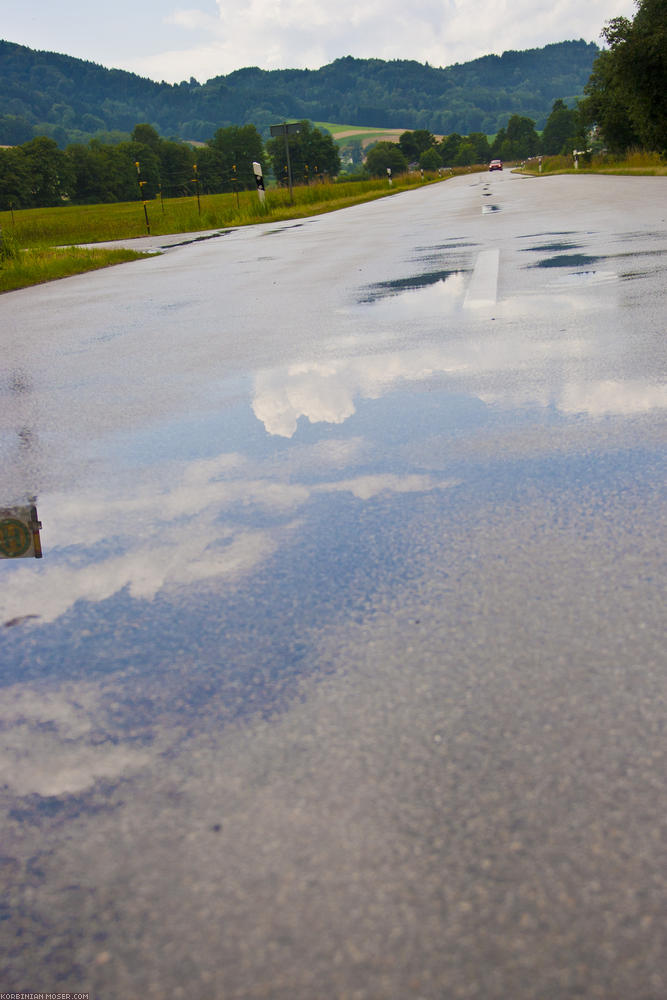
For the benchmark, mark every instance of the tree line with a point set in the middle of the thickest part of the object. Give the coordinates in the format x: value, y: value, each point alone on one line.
x: 519, y: 140
x: 38, y: 173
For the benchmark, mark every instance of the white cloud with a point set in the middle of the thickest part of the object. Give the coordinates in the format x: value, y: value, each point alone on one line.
x: 297, y: 34
x: 52, y: 741
x: 613, y: 397
x: 367, y: 487
x: 179, y: 525
x: 191, y: 20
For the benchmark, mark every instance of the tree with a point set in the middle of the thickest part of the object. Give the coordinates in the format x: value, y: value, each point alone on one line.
x: 210, y: 170
x: 146, y: 133
x: 430, y: 159
x: 311, y: 151
x: 604, y: 106
x: 480, y: 144
x: 148, y: 171
x: 413, y: 144
x: 523, y: 137
x: 518, y: 141
x: 562, y: 131
x: 15, y: 186
x: 50, y: 172
x: 383, y: 156
x: 627, y: 88
x: 92, y: 184
x: 449, y: 148
x: 238, y: 146
x: 176, y: 167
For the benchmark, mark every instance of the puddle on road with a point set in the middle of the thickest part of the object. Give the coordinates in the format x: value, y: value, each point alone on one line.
x: 384, y: 289
x: 284, y: 229
x: 568, y: 260
x: 195, y: 572
x: 551, y: 247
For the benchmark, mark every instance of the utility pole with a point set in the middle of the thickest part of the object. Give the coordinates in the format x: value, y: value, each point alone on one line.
x: 287, y: 128
x: 196, y: 180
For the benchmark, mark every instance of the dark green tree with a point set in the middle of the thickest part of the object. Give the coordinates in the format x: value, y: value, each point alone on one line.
x: 148, y: 171
x: 523, y: 137
x: 176, y: 167
x: 430, y: 159
x: 562, y: 131
x: 627, y: 88
x: 465, y: 156
x: 210, y: 170
x: 239, y: 146
x: 604, y: 107
x: 413, y: 144
x: 50, y: 172
x: 15, y: 186
x: 312, y: 153
x: 449, y: 148
x: 383, y: 156
x: 92, y: 181
x: 480, y: 144
x: 518, y: 141
x: 145, y: 133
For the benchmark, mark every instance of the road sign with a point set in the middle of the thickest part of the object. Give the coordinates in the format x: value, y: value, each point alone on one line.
x: 287, y: 128
x: 19, y: 533
x: 259, y: 179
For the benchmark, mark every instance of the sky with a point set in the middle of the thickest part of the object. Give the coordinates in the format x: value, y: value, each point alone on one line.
x: 163, y: 40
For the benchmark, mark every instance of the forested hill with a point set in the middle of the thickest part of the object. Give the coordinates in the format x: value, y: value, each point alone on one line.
x: 43, y: 93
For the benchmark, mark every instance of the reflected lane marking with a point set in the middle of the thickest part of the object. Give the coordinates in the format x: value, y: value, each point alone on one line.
x: 483, y: 287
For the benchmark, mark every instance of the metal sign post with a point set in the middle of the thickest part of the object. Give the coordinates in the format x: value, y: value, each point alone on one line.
x: 141, y: 189
x: 287, y: 128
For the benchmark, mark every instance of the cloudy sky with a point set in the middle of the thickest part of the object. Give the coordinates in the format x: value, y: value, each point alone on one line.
x: 165, y: 40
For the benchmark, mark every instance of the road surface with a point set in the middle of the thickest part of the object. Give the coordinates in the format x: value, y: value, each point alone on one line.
x: 342, y: 676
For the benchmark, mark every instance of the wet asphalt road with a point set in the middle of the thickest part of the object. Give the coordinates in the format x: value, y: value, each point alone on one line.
x: 343, y: 674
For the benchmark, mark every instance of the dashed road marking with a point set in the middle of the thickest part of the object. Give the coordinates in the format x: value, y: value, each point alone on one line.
x: 483, y: 287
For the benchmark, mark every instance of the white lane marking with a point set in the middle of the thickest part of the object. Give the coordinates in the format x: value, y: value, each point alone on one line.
x: 483, y: 287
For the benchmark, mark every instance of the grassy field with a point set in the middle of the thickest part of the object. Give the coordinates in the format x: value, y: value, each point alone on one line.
x: 342, y: 133
x: 35, y: 266
x: 38, y: 242
x: 633, y: 164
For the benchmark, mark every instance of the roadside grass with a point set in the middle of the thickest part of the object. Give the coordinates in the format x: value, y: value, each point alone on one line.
x: 47, y: 241
x: 65, y: 225
x: 634, y: 163
x: 37, y: 265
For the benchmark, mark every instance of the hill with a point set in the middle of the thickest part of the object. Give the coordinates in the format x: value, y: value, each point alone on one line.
x: 44, y: 93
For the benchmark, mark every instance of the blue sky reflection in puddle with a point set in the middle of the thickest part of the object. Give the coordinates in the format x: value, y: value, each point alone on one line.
x: 209, y: 500
x: 188, y: 567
